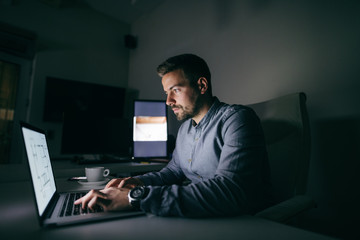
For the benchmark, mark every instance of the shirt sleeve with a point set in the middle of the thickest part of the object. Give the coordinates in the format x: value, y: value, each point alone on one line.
x: 238, y: 186
x: 171, y: 174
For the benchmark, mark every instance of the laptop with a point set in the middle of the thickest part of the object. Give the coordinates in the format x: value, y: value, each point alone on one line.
x: 54, y: 208
x: 150, y: 130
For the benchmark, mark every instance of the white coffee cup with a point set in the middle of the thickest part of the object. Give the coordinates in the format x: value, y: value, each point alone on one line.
x: 96, y: 174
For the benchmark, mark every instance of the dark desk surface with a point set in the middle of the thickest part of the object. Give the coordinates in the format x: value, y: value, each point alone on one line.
x: 66, y: 169
x: 18, y: 221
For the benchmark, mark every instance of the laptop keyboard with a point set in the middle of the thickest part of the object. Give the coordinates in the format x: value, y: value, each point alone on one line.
x: 69, y: 209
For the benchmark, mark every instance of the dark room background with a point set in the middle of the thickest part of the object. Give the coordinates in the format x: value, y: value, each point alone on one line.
x: 256, y: 50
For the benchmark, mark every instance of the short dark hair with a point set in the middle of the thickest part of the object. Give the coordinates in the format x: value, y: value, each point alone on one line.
x: 194, y: 67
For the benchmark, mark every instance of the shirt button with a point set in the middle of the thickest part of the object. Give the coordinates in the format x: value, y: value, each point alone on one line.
x: 189, y: 160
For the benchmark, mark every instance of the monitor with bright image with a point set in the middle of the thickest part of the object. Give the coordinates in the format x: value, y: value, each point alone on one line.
x: 150, y: 129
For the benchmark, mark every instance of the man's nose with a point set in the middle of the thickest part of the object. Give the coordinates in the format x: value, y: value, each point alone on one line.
x: 170, y: 100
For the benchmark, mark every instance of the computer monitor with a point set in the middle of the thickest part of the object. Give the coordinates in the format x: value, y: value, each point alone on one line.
x: 150, y: 129
x: 64, y: 96
x: 92, y: 134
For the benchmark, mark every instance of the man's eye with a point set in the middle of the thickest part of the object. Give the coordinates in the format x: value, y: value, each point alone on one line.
x: 176, y: 90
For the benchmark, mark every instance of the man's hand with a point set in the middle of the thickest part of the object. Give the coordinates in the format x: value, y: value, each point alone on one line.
x: 110, y: 199
x: 124, y: 183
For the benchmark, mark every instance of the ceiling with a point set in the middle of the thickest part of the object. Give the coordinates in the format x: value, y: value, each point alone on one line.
x: 124, y: 10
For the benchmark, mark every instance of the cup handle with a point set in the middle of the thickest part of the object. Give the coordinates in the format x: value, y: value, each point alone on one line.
x: 106, y: 172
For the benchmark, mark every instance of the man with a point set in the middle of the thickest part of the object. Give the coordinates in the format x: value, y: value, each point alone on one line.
x: 220, y: 148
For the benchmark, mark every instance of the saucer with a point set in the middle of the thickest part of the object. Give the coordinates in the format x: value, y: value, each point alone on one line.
x: 86, y: 183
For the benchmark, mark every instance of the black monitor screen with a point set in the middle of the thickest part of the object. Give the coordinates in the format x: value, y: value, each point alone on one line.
x: 81, y: 97
x: 150, y: 131
x: 95, y: 134
x: 92, y: 116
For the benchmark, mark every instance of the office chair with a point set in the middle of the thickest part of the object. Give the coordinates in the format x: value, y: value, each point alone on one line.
x: 287, y: 134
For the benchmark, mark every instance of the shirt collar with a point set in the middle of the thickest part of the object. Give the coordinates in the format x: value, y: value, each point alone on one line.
x: 208, y: 115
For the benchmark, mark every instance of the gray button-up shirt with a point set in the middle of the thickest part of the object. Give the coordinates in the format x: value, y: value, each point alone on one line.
x: 224, y: 157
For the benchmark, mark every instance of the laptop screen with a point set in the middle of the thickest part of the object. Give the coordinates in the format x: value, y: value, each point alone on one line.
x: 150, y: 131
x: 40, y: 167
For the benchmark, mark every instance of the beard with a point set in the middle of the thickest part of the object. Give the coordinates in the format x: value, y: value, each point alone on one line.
x: 186, y: 112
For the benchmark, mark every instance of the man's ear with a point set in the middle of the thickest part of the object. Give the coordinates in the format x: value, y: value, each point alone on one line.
x: 203, y: 85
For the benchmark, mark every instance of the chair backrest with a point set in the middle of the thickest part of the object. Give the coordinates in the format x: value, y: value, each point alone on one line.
x: 286, y: 127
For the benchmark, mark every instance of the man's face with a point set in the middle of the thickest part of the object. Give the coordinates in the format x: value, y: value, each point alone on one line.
x: 181, y: 97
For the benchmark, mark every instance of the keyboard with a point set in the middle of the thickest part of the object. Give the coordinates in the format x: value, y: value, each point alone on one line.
x: 69, y: 209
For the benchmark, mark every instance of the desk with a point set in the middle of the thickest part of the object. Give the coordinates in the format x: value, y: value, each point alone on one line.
x: 18, y: 221
x: 66, y: 169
